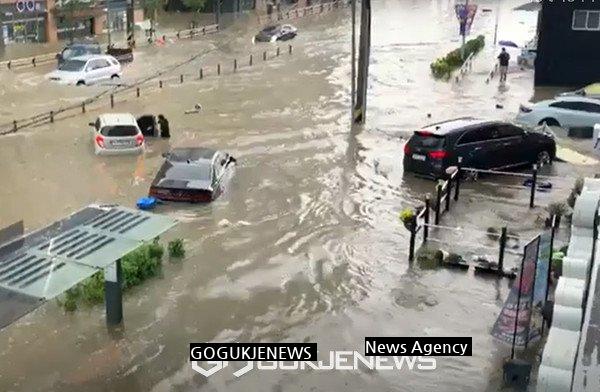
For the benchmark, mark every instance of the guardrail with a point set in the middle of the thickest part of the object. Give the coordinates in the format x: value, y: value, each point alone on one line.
x: 46, y: 58
x: 150, y: 83
x: 464, y: 68
x: 296, y: 13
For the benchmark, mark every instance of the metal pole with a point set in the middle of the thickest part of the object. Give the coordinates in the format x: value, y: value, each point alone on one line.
x: 113, y: 294
x: 448, y: 193
x: 458, y: 174
x: 512, y: 349
x: 413, y: 235
x: 537, y: 256
x: 360, y: 107
x: 496, y: 26
x: 353, y: 56
x: 533, y: 186
x: 549, y: 277
x: 108, y: 22
x: 501, y: 255
x: 438, y: 201
x: 464, y: 32
x: 426, y: 218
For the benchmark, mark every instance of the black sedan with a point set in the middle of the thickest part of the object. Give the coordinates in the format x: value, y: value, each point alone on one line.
x: 276, y: 33
x: 192, y: 175
x: 481, y: 144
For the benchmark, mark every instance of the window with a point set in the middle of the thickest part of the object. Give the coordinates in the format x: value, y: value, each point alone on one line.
x: 508, y: 130
x: 119, y: 130
x: 477, y: 135
x: 577, y: 105
x: 586, y: 20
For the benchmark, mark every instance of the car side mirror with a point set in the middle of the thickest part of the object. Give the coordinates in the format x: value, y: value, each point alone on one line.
x: 58, y: 56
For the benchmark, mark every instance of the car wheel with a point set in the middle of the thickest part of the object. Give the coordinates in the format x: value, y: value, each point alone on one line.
x: 80, y: 83
x: 543, y: 158
x: 549, y: 122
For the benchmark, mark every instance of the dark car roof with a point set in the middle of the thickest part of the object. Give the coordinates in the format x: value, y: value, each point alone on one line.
x: 191, y: 154
x: 457, y: 124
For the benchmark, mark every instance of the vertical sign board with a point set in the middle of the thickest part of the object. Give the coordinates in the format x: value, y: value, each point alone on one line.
x: 507, y: 327
x: 465, y: 14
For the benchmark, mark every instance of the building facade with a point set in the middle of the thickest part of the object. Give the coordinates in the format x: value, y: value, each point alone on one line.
x: 568, y: 50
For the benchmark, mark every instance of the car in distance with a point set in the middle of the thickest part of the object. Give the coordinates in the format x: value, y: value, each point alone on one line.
x: 276, y: 33
x: 589, y: 91
x: 192, y: 175
x: 566, y: 112
x: 78, y: 49
x: 480, y: 143
x: 87, y: 69
x: 117, y: 133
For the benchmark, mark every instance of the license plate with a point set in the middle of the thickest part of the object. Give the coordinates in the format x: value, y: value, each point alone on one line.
x: 121, y: 143
x: 418, y: 157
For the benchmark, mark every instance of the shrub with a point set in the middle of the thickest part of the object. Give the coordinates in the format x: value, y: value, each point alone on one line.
x: 176, y: 249
x: 406, y: 215
x: 444, y: 66
x: 137, y: 266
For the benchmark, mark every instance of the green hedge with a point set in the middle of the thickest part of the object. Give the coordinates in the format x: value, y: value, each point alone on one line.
x: 137, y: 266
x: 444, y: 66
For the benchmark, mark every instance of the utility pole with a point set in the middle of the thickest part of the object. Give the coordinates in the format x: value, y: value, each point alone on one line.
x: 217, y: 5
x: 108, y: 21
x: 360, y: 107
x: 130, y: 26
x: 353, y: 58
x: 496, y: 25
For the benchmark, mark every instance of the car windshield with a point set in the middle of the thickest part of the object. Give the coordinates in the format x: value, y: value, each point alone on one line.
x: 119, y: 130
x: 72, y: 65
x: 427, y: 140
x: 270, y: 29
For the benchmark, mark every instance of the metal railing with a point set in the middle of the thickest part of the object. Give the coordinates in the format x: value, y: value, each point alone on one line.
x: 296, y: 13
x: 465, y: 67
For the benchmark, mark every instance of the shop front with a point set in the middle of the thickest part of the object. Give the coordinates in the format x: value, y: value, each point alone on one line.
x: 22, y: 21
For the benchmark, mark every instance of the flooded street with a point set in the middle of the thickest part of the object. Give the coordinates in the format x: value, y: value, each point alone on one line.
x: 306, y: 245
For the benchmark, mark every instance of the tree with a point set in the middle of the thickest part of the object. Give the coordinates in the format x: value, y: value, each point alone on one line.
x: 151, y: 9
x: 195, y: 5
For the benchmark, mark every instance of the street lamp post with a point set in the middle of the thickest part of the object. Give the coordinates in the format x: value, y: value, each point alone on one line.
x: 464, y: 29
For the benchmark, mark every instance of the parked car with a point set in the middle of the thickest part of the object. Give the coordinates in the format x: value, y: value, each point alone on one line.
x: 276, y: 33
x: 117, y: 133
x: 78, y: 49
x: 88, y: 69
x: 566, y: 112
x: 480, y: 143
x: 589, y: 91
x: 192, y: 175
x: 528, y: 54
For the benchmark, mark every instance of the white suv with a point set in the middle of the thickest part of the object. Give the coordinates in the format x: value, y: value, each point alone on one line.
x: 566, y: 112
x: 86, y: 69
x: 117, y: 133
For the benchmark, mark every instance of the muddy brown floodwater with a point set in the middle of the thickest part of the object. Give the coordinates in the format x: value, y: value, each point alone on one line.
x: 305, y: 246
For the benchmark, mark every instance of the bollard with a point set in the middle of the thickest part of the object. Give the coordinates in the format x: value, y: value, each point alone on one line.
x: 458, y: 174
x: 203, y: 30
x: 501, y: 254
x: 160, y: 84
x: 438, y: 201
x: 83, y: 107
x: 234, y: 65
x: 15, y: 126
x: 8, y: 65
x: 137, y: 92
x: 290, y: 49
x: 51, y: 116
x: 201, y: 73
x: 177, y: 35
x: 426, y: 218
x: 33, y: 61
x: 277, y: 54
x: 533, y: 186
x: 448, y: 193
x: 218, y: 69
x: 181, y: 78
x: 112, y: 101
x: 250, y: 62
x: 264, y: 56
x: 413, y: 235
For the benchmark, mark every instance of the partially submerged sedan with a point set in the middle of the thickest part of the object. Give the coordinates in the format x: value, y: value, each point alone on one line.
x: 192, y: 175
x: 276, y: 33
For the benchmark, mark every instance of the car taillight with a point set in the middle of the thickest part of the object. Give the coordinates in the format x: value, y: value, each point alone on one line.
x: 524, y: 109
x: 100, y: 141
x: 438, y: 154
x: 406, y: 149
x: 139, y: 140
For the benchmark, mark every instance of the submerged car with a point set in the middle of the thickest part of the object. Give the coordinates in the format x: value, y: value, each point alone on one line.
x: 566, y: 112
x: 589, y: 91
x: 480, y: 143
x: 276, y: 33
x: 88, y: 69
x: 78, y: 49
x: 192, y: 175
x: 117, y: 133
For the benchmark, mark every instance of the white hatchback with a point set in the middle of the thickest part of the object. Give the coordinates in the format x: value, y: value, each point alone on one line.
x: 117, y: 133
x: 88, y: 69
x: 566, y: 112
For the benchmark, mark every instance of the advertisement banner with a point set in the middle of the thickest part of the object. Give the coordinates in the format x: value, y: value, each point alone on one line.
x: 520, y: 301
x: 465, y: 15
